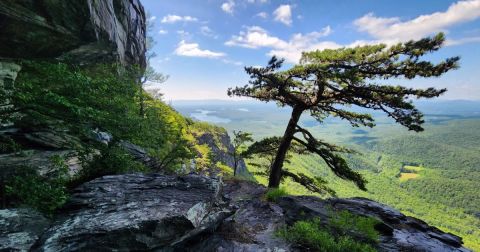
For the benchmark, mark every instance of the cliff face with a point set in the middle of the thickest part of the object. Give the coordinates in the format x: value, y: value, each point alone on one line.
x: 84, y: 30
x: 221, y: 146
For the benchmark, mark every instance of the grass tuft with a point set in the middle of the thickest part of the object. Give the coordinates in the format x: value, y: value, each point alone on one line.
x: 274, y: 193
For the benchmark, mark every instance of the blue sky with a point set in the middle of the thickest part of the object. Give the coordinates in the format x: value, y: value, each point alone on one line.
x: 204, y: 45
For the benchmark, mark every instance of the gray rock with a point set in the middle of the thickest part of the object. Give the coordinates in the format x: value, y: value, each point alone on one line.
x: 20, y: 228
x: 83, y: 31
x: 253, y: 225
x: 398, y: 232
x: 141, y: 155
x: 42, y: 139
x: 221, y: 149
x: 8, y: 74
x: 40, y: 160
x: 102, y: 137
x: 137, y: 212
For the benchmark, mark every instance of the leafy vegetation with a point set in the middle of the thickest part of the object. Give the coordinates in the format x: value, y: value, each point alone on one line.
x: 273, y: 194
x: 311, y: 234
x: 44, y: 193
x: 346, y: 223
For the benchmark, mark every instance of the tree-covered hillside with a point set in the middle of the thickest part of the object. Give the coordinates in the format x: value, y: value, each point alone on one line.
x: 443, y: 193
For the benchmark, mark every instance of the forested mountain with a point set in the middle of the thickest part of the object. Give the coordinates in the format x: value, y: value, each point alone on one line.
x: 445, y: 191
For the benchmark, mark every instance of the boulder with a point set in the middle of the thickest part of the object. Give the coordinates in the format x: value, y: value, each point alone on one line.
x: 252, y: 227
x: 137, y: 212
x: 83, y: 31
x: 20, y: 228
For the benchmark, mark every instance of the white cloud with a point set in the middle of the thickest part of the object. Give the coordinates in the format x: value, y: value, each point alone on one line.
x: 257, y: 37
x: 162, y: 32
x: 283, y: 14
x: 453, y: 42
x: 257, y: 1
x: 170, y: 19
x: 228, y: 6
x: 393, y: 29
x: 152, y: 18
x: 262, y: 14
x: 193, y: 50
x: 232, y: 62
x: 206, y: 31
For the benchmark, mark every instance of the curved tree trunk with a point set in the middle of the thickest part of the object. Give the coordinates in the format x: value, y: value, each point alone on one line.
x: 276, y: 169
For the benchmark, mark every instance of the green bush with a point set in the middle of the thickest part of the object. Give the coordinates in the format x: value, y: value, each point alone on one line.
x: 44, y: 193
x: 345, y: 223
x: 111, y: 161
x: 311, y: 235
x: 274, y: 193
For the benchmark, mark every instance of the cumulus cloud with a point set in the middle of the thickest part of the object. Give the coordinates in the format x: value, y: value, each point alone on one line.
x: 257, y: 37
x: 228, y: 6
x: 170, y: 19
x: 262, y: 14
x: 193, y: 50
x: 283, y: 14
x: 394, y: 29
x: 162, y: 32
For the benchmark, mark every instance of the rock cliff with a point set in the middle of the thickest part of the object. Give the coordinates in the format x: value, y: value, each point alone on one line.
x: 85, y: 31
x: 136, y: 212
x: 221, y: 146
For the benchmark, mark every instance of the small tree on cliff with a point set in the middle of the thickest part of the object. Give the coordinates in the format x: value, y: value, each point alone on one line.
x: 150, y: 75
x: 326, y: 83
x: 240, y: 138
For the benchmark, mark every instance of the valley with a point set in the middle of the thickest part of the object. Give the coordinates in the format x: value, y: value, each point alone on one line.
x: 432, y: 175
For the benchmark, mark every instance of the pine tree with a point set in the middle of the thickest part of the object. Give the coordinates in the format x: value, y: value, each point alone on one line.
x: 327, y: 83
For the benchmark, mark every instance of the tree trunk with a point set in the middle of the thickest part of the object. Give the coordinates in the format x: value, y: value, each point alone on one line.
x: 142, y: 99
x: 276, y: 169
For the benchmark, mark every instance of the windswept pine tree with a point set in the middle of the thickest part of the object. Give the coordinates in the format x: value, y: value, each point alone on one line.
x: 327, y: 83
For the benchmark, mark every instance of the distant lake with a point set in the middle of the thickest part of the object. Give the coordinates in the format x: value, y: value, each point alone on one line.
x: 206, y: 116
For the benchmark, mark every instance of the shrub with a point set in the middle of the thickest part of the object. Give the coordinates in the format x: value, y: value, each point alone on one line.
x: 345, y: 222
x: 311, y: 235
x: 45, y: 194
x: 112, y: 160
x: 274, y: 193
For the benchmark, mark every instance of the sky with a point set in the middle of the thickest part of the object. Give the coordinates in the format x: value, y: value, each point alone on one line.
x: 204, y: 45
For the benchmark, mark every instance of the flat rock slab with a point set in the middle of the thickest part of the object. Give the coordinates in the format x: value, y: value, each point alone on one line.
x: 136, y: 212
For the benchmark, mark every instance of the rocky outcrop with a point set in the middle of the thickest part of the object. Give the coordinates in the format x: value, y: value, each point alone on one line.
x: 156, y: 212
x: 39, y: 148
x: 253, y: 225
x: 84, y: 31
x: 221, y: 146
x: 397, y: 231
x: 20, y: 228
x: 136, y: 212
